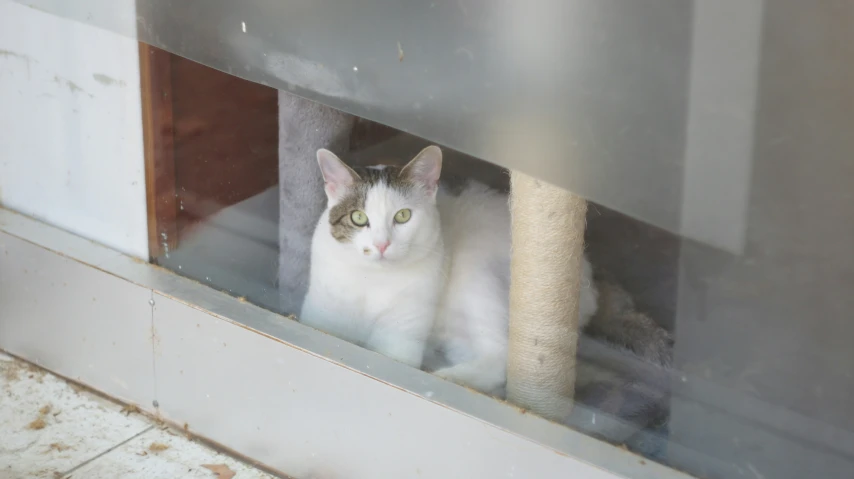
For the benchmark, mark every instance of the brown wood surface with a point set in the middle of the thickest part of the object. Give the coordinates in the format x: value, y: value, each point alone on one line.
x: 211, y: 140
x: 226, y: 139
x: 157, y: 121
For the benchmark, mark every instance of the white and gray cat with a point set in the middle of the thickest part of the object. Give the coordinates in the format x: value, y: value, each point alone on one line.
x: 402, y: 267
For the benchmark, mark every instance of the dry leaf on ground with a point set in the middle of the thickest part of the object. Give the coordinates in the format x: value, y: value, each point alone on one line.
x: 157, y: 447
x: 130, y: 409
x: 221, y: 470
x: 57, y: 446
x: 37, y: 424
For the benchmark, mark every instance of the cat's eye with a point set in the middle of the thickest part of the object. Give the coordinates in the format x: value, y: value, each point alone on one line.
x: 402, y: 216
x: 359, y: 218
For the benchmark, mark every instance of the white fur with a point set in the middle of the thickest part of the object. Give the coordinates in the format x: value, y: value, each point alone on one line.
x: 387, y: 302
x: 445, y: 277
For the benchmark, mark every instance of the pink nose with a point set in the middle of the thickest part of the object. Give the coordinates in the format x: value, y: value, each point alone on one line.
x: 382, y: 246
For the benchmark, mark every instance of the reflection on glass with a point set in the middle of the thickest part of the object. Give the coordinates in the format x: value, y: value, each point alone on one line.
x: 720, y: 364
x: 689, y: 355
x: 397, y: 245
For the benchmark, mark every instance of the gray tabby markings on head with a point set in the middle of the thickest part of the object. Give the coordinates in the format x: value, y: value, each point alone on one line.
x: 343, y: 229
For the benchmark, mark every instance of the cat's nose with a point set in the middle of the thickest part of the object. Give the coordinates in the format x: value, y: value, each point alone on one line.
x: 382, y: 245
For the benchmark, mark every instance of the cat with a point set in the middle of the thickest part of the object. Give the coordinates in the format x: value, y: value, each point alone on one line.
x: 377, y: 262
x: 403, y: 267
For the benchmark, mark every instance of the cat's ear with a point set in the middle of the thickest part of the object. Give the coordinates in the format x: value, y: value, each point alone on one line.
x: 425, y: 169
x: 336, y: 174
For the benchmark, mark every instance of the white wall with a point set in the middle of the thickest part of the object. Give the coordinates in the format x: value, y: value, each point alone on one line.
x: 71, y: 149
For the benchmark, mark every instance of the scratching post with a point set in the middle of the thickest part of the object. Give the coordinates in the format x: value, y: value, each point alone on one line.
x: 304, y: 126
x: 548, y: 242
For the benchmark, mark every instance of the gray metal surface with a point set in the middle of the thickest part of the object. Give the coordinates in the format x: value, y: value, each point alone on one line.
x: 74, y: 319
x: 309, y: 417
x: 267, y: 387
x: 609, y: 98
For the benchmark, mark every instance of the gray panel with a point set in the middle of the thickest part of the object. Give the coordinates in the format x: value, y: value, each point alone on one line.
x: 309, y: 417
x: 75, y: 320
x: 592, y: 95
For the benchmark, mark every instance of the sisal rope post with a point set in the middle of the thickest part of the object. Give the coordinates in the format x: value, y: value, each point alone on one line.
x: 548, y: 243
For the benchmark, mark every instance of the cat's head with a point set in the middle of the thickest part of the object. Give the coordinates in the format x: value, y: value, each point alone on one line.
x: 384, y: 214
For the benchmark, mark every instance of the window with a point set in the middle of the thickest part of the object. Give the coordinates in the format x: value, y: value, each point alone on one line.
x: 623, y: 221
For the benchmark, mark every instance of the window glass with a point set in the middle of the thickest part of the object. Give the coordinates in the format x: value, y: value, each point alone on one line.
x: 691, y: 295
